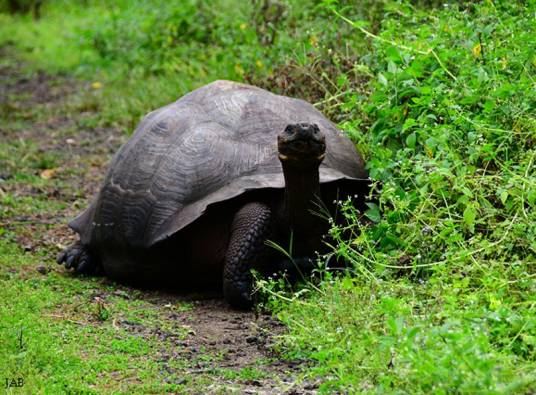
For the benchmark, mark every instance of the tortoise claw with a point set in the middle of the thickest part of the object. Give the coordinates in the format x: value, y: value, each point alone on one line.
x: 79, y: 258
x: 70, y: 261
x: 61, y: 257
x: 83, y: 263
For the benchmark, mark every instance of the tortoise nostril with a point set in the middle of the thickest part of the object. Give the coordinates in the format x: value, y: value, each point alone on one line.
x: 302, y: 131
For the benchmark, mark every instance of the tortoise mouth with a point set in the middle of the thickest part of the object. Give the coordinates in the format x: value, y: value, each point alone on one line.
x: 301, y: 143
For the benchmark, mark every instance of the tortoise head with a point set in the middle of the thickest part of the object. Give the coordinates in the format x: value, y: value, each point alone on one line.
x: 301, y: 145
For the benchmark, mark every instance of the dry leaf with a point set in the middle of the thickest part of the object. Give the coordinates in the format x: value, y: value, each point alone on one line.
x: 47, y: 174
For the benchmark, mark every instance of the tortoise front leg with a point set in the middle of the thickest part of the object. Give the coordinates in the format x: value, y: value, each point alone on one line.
x: 80, y: 259
x: 252, y: 225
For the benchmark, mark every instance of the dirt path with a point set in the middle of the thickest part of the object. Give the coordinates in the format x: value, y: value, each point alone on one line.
x: 55, y: 156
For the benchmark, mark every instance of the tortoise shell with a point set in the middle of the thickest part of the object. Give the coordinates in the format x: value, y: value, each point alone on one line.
x: 209, y: 146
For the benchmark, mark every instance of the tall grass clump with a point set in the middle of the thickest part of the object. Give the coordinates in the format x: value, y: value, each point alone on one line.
x: 440, y: 296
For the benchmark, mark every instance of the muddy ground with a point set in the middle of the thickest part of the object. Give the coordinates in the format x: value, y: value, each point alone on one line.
x: 46, y: 116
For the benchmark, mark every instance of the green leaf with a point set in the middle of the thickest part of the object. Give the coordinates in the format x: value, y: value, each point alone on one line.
x: 426, y: 90
x: 391, y: 67
x: 469, y: 217
x: 393, y: 54
x: 411, y: 140
x: 408, y: 124
x: 347, y: 283
x: 342, y: 80
x: 373, y: 212
x: 382, y: 79
x: 472, y: 99
x: 504, y: 196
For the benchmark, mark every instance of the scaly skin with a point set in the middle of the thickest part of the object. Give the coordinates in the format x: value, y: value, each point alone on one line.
x: 252, y: 225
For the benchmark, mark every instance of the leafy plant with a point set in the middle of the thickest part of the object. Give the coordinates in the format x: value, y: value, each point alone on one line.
x: 441, y: 280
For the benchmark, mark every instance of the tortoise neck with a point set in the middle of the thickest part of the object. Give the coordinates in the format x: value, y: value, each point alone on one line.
x: 302, y: 197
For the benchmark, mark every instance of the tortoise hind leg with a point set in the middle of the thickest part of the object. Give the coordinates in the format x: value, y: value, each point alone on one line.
x: 252, y: 225
x: 78, y: 257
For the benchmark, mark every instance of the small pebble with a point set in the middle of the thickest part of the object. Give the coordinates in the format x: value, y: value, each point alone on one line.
x: 42, y: 269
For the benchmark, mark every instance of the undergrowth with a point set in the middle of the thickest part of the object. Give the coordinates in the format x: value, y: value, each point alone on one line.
x: 141, y: 55
x: 439, y: 297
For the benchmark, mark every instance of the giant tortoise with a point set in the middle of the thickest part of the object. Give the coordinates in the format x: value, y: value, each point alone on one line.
x: 192, y: 197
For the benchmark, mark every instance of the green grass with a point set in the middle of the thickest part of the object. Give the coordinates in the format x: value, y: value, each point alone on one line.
x: 441, y: 100
x: 45, y: 340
